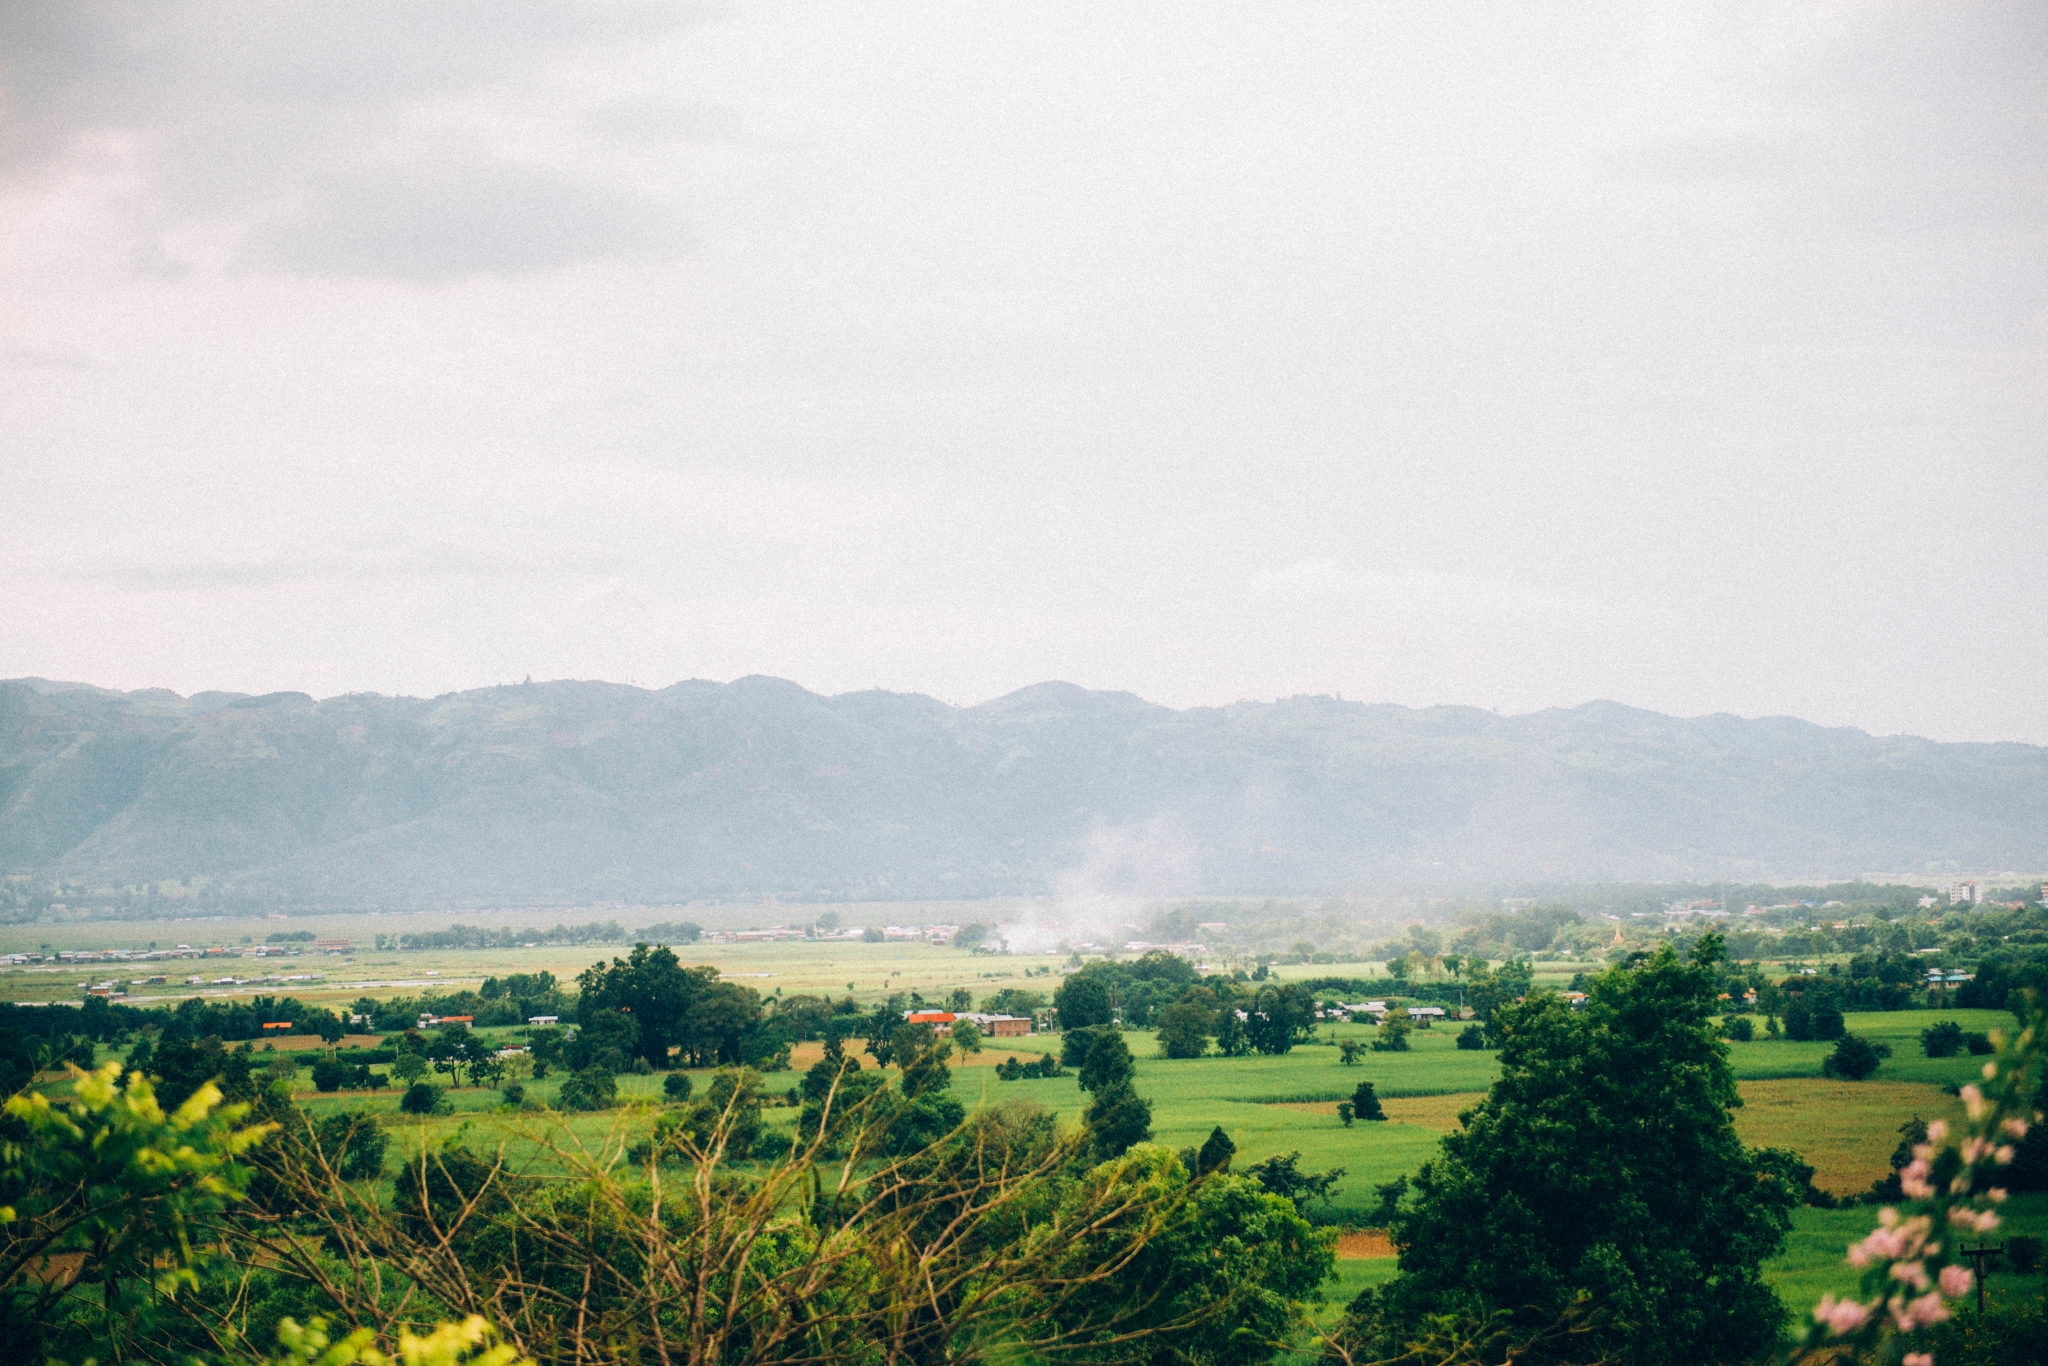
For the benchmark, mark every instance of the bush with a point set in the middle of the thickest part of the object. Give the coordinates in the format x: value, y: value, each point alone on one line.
x: 1854, y: 1058
x: 515, y: 1094
x: 329, y: 1075
x: 1366, y: 1105
x: 676, y: 1086
x: 1472, y: 1038
x: 1739, y: 1028
x: 1944, y: 1039
x: 1978, y: 1044
x: 422, y: 1098
x: 591, y: 1089
x: 1346, y: 1112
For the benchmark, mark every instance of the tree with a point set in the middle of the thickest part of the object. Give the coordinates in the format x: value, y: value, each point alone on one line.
x: 1217, y: 1150
x: 1365, y: 1104
x: 1117, y: 1118
x: 1346, y: 1111
x: 353, y: 1145
x: 422, y: 1099
x: 1184, y: 1030
x: 330, y: 1074
x: 110, y: 1181
x: 1349, y: 1052
x: 1280, y: 1018
x: 1943, y: 1039
x: 1099, y: 1056
x: 1603, y: 1162
x: 592, y: 1088
x: 1472, y: 1038
x: 1083, y: 1001
x: 966, y: 1036
x: 1854, y: 1058
x: 1798, y: 1018
x: 1738, y: 1028
x: 607, y: 1038
x: 675, y: 1087
x: 409, y: 1068
x: 1392, y: 1036
x: 1283, y: 1176
x: 1233, y: 1040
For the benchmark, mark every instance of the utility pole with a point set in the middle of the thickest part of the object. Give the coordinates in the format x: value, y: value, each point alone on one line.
x: 1978, y: 1257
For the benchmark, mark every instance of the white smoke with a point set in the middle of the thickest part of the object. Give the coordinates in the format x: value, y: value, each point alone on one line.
x: 1105, y: 900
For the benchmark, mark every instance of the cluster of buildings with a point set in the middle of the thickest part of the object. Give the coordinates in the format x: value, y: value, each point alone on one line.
x: 1422, y: 1016
x: 992, y: 1026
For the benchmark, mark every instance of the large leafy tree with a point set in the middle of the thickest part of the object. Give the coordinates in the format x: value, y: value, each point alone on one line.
x: 651, y: 985
x: 1603, y: 1166
x: 1083, y: 1000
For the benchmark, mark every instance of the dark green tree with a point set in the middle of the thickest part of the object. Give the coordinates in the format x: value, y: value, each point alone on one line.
x: 1117, y: 1117
x: 1104, y: 1058
x: 1798, y: 1018
x: 1184, y: 1030
x: 1942, y: 1039
x: 1217, y: 1150
x: 1854, y: 1058
x: 1604, y: 1162
x: 1083, y: 1000
x: 1365, y: 1104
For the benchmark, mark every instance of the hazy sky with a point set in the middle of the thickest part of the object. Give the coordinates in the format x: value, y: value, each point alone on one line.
x: 1690, y: 356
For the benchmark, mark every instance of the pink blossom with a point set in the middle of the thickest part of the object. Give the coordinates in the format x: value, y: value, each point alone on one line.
x: 1937, y: 1131
x: 1887, y: 1216
x: 1973, y: 1099
x: 1912, y: 1273
x: 1930, y: 1309
x: 1956, y: 1281
x: 2004, y: 1155
x: 2016, y: 1127
x: 1973, y: 1149
x: 1918, y: 1359
x: 1842, y: 1317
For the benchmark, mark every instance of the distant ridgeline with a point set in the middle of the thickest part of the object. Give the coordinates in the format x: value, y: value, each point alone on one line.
x: 564, y: 793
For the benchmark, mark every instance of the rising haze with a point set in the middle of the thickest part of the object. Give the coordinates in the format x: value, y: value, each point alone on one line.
x: 1690, y: 357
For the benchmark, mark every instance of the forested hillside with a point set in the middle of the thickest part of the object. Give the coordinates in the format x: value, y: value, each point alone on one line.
x: 573, y: 790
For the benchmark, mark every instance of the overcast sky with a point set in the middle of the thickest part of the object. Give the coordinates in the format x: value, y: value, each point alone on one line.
x: 1694, y: 357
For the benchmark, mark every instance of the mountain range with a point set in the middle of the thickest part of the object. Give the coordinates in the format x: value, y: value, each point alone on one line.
x: 564, y: 792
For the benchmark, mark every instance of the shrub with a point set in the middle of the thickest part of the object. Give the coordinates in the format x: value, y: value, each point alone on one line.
x: 1365, y: 1104
x: 329, y: 1075
x: 1346, y: 1112
x: 676, y: 1086
x: 1738, y: 1028
x: 422, y: 1098
x: 1854, y: 1058
x: 1472, y: 1038
x: 1978, y: 1044
x: 515, y: 1094
x: 1943, y: 1039
x: 591, y: 1089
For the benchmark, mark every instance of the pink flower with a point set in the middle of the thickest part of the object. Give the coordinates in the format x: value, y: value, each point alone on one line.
x: 1956, y: 1281
x: 1973, y: 1099
x: 1930, y: 1309
x: 2016, y: 1127
x: 1937, y: 1131
x: 2004, y: 1155
x: 1918, y: 1359
x: 1912, y: 1273
x: 1842, y: 1317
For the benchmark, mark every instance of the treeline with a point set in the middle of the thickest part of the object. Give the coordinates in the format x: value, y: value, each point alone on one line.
x: 504, y: 937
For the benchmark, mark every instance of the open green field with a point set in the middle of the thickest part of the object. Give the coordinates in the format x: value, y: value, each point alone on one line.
x: 1271, y: 1105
